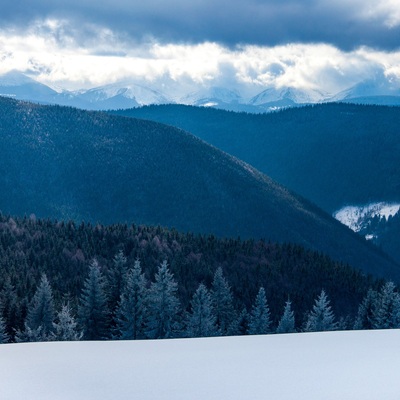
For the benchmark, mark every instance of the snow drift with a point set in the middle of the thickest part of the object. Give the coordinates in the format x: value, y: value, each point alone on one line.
x: 334, y: 365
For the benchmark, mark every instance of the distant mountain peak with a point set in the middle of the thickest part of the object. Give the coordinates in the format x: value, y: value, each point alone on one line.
x: 15, y: 78
x: 288, y: 95
x: 133, y: 93
x: 212, y: 96
x: 376, y: 86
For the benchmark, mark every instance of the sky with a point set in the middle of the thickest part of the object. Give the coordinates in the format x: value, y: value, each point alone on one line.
x: 185, y: 45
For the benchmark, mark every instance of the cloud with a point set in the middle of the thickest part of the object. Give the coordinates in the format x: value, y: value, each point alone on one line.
x: 182, y: 45
x: 346, y: 24
x: 50, y: 51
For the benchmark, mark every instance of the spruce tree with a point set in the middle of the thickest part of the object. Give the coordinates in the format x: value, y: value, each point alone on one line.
x: 10, y: 308
x: 41, y: 309
x: 132, y: 309
x: 287, y: 322
x: 222, y: 301
x: 240, y: 324
x: 93, y: 311
x: 201, y: 321
x: 31, y: 335
x: 260, y: 318
x: 387, y: 314
x: 117, y: 277
x: 4, y: 338
x: 163, y: 305
x: 367, y: 311
x: 65, y: 327
x: 321, y: 318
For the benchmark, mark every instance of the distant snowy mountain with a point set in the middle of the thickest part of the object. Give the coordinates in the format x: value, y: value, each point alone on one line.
x: 15, y: 78
x: 218, y: 97
x: 122, y: 95
x: 17, y: 85
x: 286, y: 97
x: 212, y: 96
x: 128, y: 94
x: 378, y: 90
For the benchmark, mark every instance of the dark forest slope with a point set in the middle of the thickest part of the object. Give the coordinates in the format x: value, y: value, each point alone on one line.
x: 333, y: 154
x: 65, y: 163
x: 30, y: 247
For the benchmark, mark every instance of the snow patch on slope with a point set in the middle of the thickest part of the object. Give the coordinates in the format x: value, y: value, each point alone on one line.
x: 356, y: 217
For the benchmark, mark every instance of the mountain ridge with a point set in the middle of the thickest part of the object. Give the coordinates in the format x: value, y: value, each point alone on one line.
x: 354, y: 146
x: 65, y: 163
x: 130, y: 93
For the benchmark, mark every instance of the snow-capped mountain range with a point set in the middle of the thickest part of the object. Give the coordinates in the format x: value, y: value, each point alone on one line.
x: 127, y: 94
x: 122, y: 95
x: 287, y: 96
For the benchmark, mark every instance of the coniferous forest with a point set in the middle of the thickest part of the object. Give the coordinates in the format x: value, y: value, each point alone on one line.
x: 355, y: 147
x: 64, y: 281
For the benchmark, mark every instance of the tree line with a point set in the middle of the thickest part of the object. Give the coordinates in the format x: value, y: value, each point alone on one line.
x: 126, y: 306
x: 62, y: 250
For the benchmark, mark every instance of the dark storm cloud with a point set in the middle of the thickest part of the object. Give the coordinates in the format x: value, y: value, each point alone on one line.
x: 345, y: 24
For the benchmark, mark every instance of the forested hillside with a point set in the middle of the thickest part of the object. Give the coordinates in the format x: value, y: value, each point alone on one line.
x: 332, y: 154
x: 386, y: 234
x: 63, y: 251
x: 64, y: 163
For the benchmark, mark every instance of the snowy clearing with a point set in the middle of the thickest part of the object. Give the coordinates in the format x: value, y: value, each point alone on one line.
x: 356, y: 216
x: 331, y: 365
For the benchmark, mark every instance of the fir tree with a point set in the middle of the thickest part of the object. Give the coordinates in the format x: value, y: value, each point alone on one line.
x: 287, y: 322
x: 222, y: 301
x: 41, y: 310
x: 117, y: 277
x: 65, y: 329
x: 10, y: 308
x: 367, y: 311
x: 32, y: 335
x: 321, y: 318
x: 132, y: 308
x: 93, y: 311
x: 240, y: 324
x: 4, y: 338
x: 260, y: 318
x: 201, y: 321
x: 387, y: 314
x: 163, y: 305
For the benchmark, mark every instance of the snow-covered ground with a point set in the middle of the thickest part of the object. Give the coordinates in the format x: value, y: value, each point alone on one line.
x: 352, y: 365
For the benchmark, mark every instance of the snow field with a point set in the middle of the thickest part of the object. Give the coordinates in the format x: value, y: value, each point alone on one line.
x: 314, y: 366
